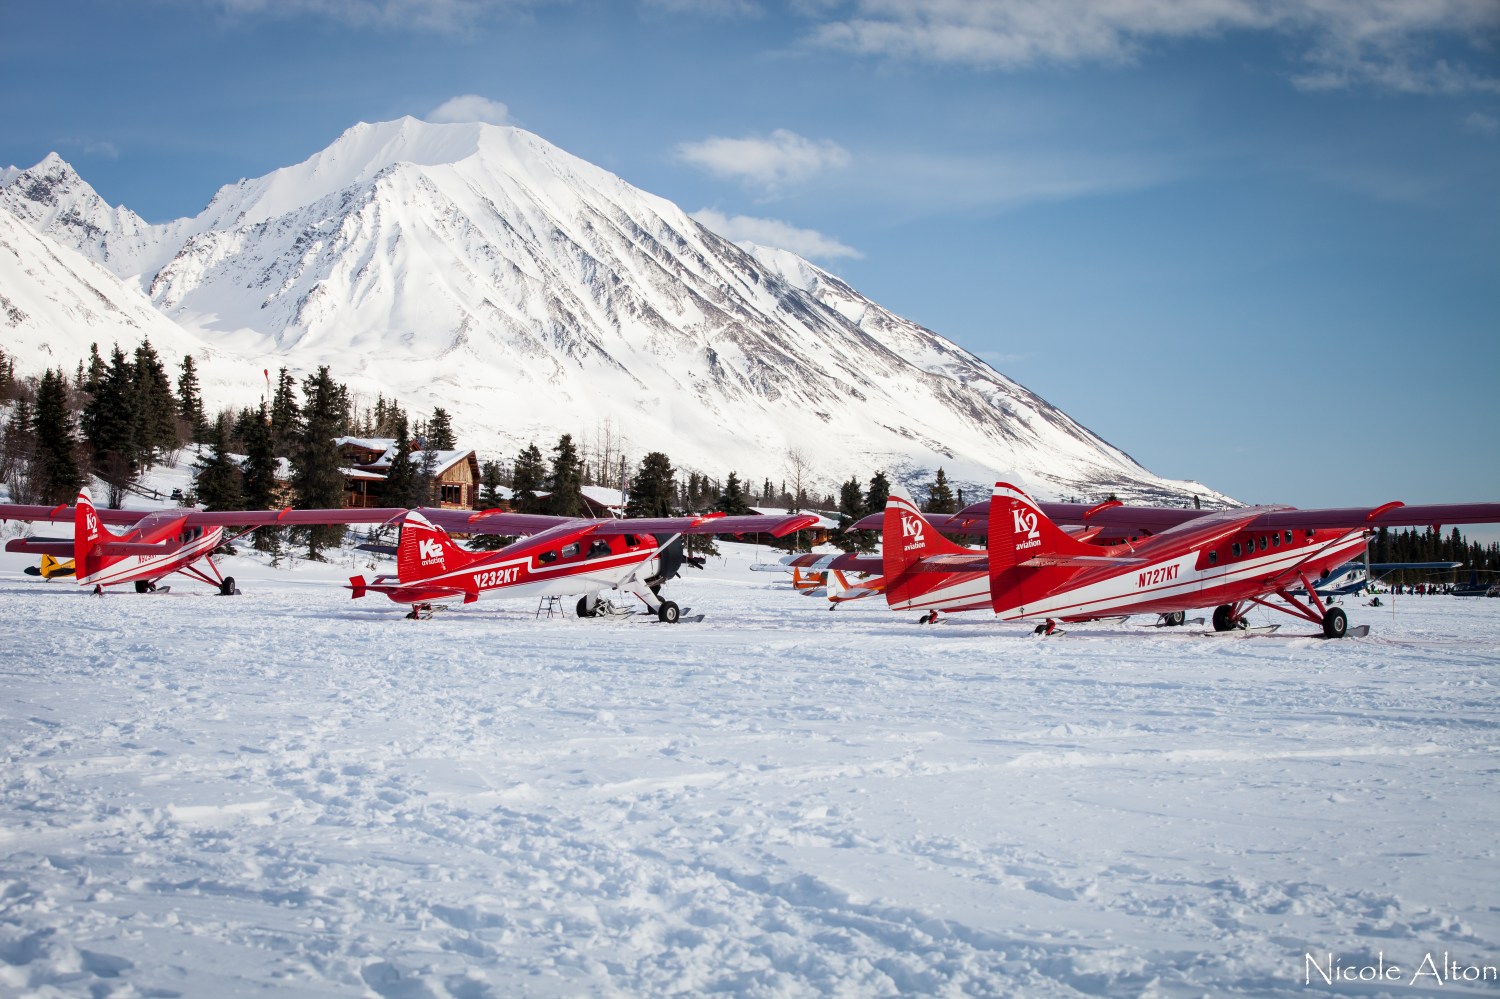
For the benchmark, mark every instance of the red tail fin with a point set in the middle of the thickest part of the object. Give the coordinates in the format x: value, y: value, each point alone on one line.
x: 907, y: 537
x: 1019, y: 532
x: 426, y: 551
x: 86, y: 536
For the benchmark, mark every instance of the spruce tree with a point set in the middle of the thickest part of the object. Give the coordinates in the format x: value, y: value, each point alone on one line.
x: 940, y: 496
x: 259, y: 480
x: 526, y: 480
x: 401, y: 478
x: 489, y: 486
x: 732, y: 500
x: 154, y: 407
x: 440, y: 431
x: 109, y: 422
x: 190, y: 401
x: 851, y: 509
x: 315, y: 462
x: 286, y: 415
x: 17, y: 449
x: 878, y: 493
x: 218, y: 478
x: 653, y: 490
x: 566, y: 480
x: 54, y: 466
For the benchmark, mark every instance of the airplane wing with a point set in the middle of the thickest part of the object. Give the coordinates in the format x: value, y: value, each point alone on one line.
x: 774, y: 525
x: 494, y: 521
x: 286, y: 517
x: 503, y: 522
x: 1395, y: 514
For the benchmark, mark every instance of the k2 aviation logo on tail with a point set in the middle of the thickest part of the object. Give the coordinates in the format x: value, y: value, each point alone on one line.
x: 1024, y: 522
x: 429, y: 551
x: 912, y: 531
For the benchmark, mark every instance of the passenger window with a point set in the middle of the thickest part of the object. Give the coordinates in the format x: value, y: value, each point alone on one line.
x: 599, y: 548
x: 1288, y: 537
x: 1234, y: 549
x: 1275, y: 541
x: 1262, y: 542
x: 571, y: 551
x: 631, y: 541
x: 547, y: 558
x: 1213, y: 558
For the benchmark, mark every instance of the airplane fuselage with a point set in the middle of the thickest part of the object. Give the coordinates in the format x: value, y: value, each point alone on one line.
x: 1177, y: 574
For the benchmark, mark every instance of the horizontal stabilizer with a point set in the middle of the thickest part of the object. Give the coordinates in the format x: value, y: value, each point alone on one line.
x: 1077, y: 561
x: 977, y: 562
x: 37, y: 546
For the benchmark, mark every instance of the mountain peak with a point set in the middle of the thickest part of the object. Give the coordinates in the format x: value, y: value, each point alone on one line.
x: 479, y: 268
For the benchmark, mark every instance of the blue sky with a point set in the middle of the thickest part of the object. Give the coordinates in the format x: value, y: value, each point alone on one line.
x: 1252, y: 242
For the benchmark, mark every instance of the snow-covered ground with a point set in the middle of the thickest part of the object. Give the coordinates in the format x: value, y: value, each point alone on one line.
x: 291, y: 792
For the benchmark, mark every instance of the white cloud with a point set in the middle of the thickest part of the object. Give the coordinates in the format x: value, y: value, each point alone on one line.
x: 772, y: 162
x: 1381, y: 43
x: 422, y: 15
x: 92, y: 147
x: 710, y: 8
x: 1484, y: 124
x: 470, y: 107
x: 807, y: 243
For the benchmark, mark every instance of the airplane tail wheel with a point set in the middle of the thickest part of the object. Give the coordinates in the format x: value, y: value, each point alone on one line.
x: 1335, y: 623
x: 226, y: 588
x: 583, y: 608
x: 669, y: 612
x: 1224, y: 618
x: 1174, y: 619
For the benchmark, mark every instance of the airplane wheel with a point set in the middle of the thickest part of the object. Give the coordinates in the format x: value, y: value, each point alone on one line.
x: 583, y: 608
x: 669, y: 612
x: 1335, y: 623
x: 1224, y: 618
x: 1174, y: 619
x: 226, y: 588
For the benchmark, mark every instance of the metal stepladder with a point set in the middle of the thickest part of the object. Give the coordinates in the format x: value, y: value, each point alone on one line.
x: 552, y: 605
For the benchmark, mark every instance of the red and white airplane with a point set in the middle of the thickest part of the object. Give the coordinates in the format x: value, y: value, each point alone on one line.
x: 562, y: 556
x: 1166, y: 561
x: 159, y: 542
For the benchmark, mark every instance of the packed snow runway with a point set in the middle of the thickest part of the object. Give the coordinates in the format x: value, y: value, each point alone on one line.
x: 289, y: 791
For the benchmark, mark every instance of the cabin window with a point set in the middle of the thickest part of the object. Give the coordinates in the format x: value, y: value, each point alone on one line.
x: 1262, y: 542
x: 547, y: 558
x: 631, y: 541
x: 1234, y: 549
x: 1288, y: 536
x: 1309, y: 533
x: 1275, y: 541
x: 1213, y: 557
x: 571, y: 551
x: 599, y: 548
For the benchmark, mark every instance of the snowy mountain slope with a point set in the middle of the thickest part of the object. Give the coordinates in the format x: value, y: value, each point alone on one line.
x: 531, y: 293
x: 54, y: 303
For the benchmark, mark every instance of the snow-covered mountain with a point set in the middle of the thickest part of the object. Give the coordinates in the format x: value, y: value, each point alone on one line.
x: 55, y: 302
x: 531, y: 293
